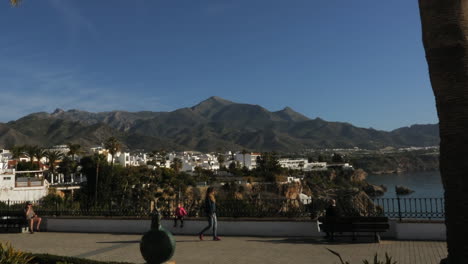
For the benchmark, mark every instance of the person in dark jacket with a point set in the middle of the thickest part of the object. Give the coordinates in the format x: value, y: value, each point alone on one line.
x: 210, y: 209
x: 331, y: 209
x: 331, y: 213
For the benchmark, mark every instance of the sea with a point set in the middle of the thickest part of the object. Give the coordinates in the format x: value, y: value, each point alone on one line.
x: 424, y: 184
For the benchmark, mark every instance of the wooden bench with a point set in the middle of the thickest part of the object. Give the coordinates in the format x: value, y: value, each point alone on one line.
x: 354, y: 224
x: 13, y: 221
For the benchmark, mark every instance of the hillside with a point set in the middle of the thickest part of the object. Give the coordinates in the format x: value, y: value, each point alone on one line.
x: 214, y: 124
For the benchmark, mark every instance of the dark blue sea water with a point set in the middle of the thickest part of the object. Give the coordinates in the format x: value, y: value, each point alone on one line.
x: 425, y: 184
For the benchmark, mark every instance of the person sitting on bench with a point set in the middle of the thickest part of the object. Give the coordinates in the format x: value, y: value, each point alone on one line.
x: 32, y: 217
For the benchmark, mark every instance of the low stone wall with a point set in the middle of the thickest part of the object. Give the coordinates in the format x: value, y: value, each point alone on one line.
x: 241, y: 227
x: 421, y: 231
x: 191, y: 227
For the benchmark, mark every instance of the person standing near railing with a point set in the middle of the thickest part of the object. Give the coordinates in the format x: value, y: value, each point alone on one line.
x: 32, y: 217
x: 331, y: 213
x: 210, y: 209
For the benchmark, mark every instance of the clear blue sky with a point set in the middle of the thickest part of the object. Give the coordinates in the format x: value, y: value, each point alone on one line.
x: 358, y: 61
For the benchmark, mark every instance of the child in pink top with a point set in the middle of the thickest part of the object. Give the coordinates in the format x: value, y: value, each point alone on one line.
x: 179, y: 215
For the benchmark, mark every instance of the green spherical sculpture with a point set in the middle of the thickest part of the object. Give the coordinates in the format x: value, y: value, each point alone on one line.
x: 157, y: 245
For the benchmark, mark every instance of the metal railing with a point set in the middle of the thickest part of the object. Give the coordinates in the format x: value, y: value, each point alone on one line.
x: 396, y: 208
x: 412, y: 208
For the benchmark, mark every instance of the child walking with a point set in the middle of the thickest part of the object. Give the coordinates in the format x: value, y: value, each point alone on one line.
x: 179, y: 215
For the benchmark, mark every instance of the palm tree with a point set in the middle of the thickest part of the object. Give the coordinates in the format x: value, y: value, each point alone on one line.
x: 52, y: 157
x: 74, y: 149
x: 243, y: 157
x: 445, y: 38
x: 30, y: 151
x: 221, y: 160
x: 16, y: 152
x: 113, y: 146
x: 98, y: 158
x: 39, y: 154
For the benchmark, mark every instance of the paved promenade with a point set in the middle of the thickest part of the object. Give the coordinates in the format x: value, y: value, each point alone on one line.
x: 125, y: 248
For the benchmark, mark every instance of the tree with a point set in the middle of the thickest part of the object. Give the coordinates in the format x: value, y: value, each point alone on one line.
x: 243, y: 156
x: 98, y: 174
x: 74, y: 149
x: 301, y: 165
x: 176, y: 165
x: 31, y: 152
x: 52, y: 157
x: 66, y: 168
x: 163, y: 154
x: 321, y: 158
x: 268, y: 166
x: 221, y: 160
x: 39, y: 154
x: 98, y: 159
x: 445, y: 39
x: 113, y: 146
x: 16, y: 152
x: 337, y: 158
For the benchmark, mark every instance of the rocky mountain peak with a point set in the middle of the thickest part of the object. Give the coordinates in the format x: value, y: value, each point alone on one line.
x: 289, y: 114
x: 58, y: 111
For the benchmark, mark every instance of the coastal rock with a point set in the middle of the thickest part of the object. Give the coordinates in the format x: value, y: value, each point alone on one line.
x: 374, y: 190
x: 291, y: 191
x: 358, y: 175
x: 356, y: 203
x: 403, y: 190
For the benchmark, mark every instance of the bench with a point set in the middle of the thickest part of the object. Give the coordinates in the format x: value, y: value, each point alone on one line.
x: 13, y: 221
x: 354, y: 224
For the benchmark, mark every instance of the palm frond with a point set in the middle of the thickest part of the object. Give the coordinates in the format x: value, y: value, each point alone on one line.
x: 338, y: 255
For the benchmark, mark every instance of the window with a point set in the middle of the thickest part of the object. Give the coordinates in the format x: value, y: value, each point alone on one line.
x: 6, y: 178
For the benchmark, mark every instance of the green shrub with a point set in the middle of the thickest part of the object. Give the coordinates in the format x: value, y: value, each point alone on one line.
x: 8, y: 255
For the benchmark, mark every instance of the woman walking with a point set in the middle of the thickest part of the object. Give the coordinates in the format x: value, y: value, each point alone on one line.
x: 210, y: 209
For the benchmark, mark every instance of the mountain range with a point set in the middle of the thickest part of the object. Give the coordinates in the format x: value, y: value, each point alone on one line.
x: 214, y: 124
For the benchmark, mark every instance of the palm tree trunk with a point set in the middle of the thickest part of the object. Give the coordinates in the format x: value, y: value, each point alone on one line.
x: 96, y: 186
x: 445, y: 33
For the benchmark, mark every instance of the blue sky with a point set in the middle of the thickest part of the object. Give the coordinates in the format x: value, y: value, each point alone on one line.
x: 358, y: 61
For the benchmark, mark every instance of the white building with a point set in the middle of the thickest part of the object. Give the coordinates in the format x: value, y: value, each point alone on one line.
x: 21, y: 188
x: 315, y: 166
x: 191, y: 160
x: 249, y: 158
x: 295, y: 164
x: 64, y: 149
x: 124, y: 159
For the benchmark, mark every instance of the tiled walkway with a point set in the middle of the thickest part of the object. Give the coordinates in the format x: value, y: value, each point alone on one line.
x: 125, y: 248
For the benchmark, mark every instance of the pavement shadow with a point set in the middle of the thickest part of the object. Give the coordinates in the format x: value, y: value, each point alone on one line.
x: 119, y: 242
x: 304, y: 240
x: 187, y: 241
x: 138, y: 241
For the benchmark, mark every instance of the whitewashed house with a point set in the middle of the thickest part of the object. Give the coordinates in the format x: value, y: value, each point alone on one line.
x: 249, y: 158
x: 16, y: 188
x: 295, y: 164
